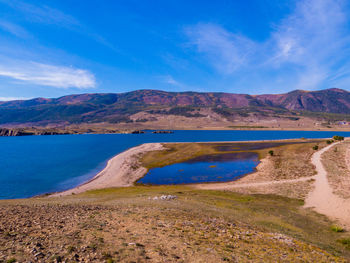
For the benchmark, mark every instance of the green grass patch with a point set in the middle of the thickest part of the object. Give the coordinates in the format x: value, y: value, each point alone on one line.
x: 345, y: 241
x: 337, y: 229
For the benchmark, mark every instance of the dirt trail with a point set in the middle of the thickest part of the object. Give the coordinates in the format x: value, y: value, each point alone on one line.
x: 322, y: 198
x: 347, y: 159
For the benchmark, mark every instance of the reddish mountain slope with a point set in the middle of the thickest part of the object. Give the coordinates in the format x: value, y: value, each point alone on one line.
x: 118, y: 107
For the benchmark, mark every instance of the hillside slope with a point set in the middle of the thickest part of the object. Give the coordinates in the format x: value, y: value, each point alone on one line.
x: 119, y: 108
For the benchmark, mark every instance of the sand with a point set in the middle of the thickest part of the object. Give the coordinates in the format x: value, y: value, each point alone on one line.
x: 121, y: 171
x: 322, y: 199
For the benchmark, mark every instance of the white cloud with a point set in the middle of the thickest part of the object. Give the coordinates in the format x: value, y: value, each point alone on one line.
x: 174, y: 83
x: 170, y: 80
x: 13, y: 98
x: 48, y: 75
x: 225, y: 50
x: 308, y: 46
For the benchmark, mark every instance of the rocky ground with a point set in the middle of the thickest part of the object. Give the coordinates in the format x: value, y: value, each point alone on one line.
x: 141, y: 229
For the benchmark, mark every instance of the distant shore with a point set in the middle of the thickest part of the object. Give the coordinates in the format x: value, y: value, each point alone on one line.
x: 36, y: 131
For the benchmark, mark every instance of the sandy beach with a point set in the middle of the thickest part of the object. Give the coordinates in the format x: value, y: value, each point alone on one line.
x: 121, y: 171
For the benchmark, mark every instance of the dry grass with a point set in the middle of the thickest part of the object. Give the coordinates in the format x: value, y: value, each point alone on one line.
x: 290, y: 161
x: 293, y: 161
x: 180, y: 152
x: 335, y: 164
x: 297, y: 190
x: 123, y: 225
x: 175, y: 153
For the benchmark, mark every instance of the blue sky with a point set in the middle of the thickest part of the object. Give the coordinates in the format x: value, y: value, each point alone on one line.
x: 59, y: 47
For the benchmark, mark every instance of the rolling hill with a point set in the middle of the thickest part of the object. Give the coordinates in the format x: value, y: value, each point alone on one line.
x: 121, y: 107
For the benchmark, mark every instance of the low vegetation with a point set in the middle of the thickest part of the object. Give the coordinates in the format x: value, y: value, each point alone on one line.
x: 338, y: 138
x: 337, y: 229
x: 336, y: 163
x: 130, y: 225
x: 180, y: 152
x: 126, y: 224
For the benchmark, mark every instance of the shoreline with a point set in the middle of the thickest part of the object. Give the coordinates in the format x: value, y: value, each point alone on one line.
x: 23, y: 131
x: 123, y: 170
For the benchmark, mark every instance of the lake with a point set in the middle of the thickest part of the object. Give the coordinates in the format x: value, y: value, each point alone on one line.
x: 34, y: 165
x: 213, y: 168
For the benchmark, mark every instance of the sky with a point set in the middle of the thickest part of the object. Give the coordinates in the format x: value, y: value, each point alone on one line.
x: 60, y: 47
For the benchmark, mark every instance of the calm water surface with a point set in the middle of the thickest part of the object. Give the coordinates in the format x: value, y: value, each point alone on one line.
x: 212, y: 168
x: 35, y: 165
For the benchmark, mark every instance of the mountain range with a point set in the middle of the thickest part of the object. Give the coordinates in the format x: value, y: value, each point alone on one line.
x: 121, y: 107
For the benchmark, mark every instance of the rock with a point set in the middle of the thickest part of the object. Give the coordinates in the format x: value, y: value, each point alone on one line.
x: 14, y: 132
x: 165, y: 197
x: 137, y: 132
x: 168, y: 197
x: 157, y: 132
x: 39, y: 254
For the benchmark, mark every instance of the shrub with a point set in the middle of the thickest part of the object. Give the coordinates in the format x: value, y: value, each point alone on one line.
x: 338, y: 138
x: 271, y: 153
x: 329, y: 141
x: 315, y: 147
x: 344, y: 241
x: 11, y: 260
x: 337, y: 229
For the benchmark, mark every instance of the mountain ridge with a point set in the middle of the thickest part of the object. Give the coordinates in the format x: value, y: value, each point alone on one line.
x: 118, y: 107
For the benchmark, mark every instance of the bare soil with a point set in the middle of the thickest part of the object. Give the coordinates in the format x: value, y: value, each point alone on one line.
x: 117, y: 226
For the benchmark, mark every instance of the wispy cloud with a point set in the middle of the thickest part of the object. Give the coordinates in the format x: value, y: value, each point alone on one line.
x: 43, y: 13
x: 225, y: 50
x: 48, y: 75
x: 172, y: 82
x: 309, y: 46
x: 168, y: 79
x: 14, y: 29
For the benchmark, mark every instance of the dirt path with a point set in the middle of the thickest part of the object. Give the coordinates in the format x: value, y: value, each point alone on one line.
x: 322, y: 198
x: 347, y: 159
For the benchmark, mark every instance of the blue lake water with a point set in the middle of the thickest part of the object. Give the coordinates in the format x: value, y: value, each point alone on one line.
x: 200, y: 171
x: 35, y: 165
